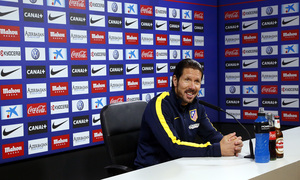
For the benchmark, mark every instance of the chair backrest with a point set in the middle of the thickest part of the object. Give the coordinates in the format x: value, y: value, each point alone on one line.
x: 121, y: 124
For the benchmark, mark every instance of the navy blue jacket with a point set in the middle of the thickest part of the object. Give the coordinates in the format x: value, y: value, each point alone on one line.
x: 168, y: 131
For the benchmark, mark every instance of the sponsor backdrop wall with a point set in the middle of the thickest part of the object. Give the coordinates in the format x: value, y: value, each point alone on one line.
x: 259, y: 59
x: 61, y: 61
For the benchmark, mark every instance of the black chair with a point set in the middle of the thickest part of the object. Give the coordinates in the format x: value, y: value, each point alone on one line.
x: 121, y: 124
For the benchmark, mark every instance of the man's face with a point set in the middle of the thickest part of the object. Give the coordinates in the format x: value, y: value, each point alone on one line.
x: 188, y: 85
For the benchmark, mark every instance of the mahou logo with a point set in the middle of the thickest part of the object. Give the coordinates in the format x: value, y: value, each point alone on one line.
x: 59, y: 89
x: 77, y: 4
x: 232, y: 52
x: 289, y: 35
x: 116, y: 99
x: 146, y: 10
x: 97, y: 37
x: 229, y: 15
x: 199, y: 54
x: 289, y: 75
x: 99, y: 86
x: 161, y: 39
x: 132, y: 38
x: 161, y: 82
x: 37, y: 109
x: 132, y: 84
x: 269, y: 89
x: 9, y: 33
x: 78, y: 54
x: 97, y: 135
x: 12, y: 150
x: 59, y: 142
x: 250, y: 76
x: 250, y: 114
x: 187, y: 40
x: 57, y: 35
x: 147, y: 54
x: 290, y: 116
x: 250, y: 38
x: 199, y: 15
x: 11, y: 91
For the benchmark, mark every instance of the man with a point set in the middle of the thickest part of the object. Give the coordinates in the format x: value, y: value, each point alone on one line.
x: 172, y: 119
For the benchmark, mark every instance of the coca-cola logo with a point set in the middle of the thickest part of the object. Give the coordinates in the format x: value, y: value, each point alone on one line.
x: 77, y: 4
x: 147, y: 54
x: 78, y: 54
x: 116, y: 99
x: 198, y: 15
x: 146, y: 10
x: 232, y: 52
x: 229, y: 15
x: 269, y: 89
x: 38, y: 109
x: 199, y: 54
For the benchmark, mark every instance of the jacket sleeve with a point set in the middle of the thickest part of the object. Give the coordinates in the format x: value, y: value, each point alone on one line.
x: 159, y: 120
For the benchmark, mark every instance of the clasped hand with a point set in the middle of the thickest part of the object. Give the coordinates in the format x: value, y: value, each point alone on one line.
x: 231, y: 145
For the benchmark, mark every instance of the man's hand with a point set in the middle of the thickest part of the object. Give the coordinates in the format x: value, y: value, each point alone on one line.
x: 231, y: 145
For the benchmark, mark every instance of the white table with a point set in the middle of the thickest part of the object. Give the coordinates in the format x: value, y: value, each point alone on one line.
x: 286, y: 168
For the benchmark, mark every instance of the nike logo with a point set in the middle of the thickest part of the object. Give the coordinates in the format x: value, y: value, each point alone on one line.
x: 285, y: 63
x: 94, y: 21
x: 159, y: 25
x: 185, y: 27
x: 286, y: 22
x: 160, y: 68
x: 95, y: 71
x: 3, y: 74
x: 246, y: 26
x: 55, y: 72
x: 130, y: 69
x: 51, y: 18
x: 245, y: 102
x: 248, y: 64
x: 6, y: 13
x: 287, y: 103
x: 54, y: 126
x: 95, y: 120
x: 6, y: 133
x: 129, y: 23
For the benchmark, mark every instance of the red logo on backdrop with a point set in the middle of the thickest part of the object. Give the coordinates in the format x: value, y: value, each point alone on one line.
x: 97, y: 135
x: 132, y: 38
x: 132, y: 84
x: 187, y: 40
x: 161, y: 82
x: 97, y: 37
x: 289, y: 35
x: 147, y: 54
x: 199, y: 15
x: 289, y: 75
x: 78, y: 54
x: 59, y: 142
x: 37, y: 109
x: 59, y: 89
x: 9, y: 33
x: 229, y: 15
x: 269, y: 89
x: 11, y: 91
x: 250, y: 38
x: 250, y: 76
x: 146, y: 10
x: 290, y: 116
x: 199, y: 54
x: 99, y: 86
x: 250, y: 114
x: 57, y: 35
x: 161, y: 39
x: 116, y: 99
x: 232, y: 52
x: 77, y: 4
x: 12, y: 150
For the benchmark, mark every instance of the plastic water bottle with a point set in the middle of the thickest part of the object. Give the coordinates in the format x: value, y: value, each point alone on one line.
x: 261, y: 129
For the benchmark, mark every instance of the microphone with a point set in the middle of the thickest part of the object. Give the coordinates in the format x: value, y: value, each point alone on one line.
x: 251, y: 155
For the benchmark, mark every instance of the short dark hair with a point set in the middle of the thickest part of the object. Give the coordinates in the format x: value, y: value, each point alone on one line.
x: 186, y: 63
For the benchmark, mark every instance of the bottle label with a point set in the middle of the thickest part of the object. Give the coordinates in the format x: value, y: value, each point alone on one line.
x: 279, y: 145
x: 272, y: 135
x: 261, y: 127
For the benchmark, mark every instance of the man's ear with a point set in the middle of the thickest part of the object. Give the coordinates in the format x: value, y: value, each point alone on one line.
x: 174, y: 79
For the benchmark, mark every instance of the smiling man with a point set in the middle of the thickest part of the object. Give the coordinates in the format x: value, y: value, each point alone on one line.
x: 172, y: 120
